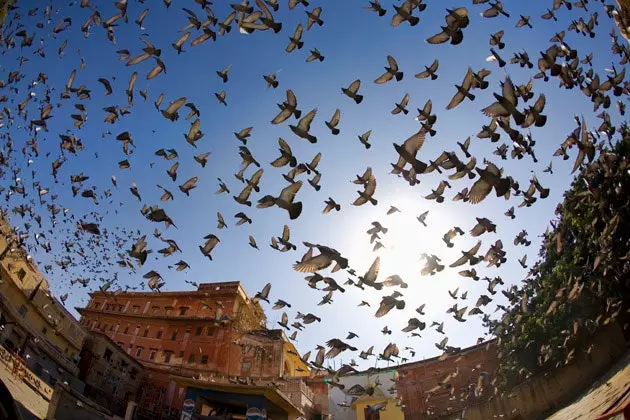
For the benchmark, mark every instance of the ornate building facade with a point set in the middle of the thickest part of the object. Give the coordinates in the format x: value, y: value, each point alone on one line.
x: 33, y: 322
x: 215, y: 333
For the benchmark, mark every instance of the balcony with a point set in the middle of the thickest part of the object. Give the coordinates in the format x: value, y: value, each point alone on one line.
x: 299, y: 394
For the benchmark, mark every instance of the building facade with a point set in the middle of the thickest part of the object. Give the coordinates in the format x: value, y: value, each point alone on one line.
x: 33, y: 322
x: 214, y: 333
x: 466, y: 376
x: 112, y: 377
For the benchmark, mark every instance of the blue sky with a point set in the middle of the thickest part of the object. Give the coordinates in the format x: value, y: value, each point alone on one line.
x: 355, y: 44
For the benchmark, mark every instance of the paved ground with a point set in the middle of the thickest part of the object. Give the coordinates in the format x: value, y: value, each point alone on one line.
x: 32, y: 404
x: 600, y: 395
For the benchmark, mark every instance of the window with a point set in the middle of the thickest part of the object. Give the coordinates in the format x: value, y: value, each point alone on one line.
x: 133, y: 373
x: 146, y: 332
x: 107, y: 355
x: 152, y: 354
x: 210, y: 331
x: 204, y: 359
x: 97, y: 305
x: 159, y: 334
x: 167, y: 356
x: 21, y: 274
x: 183, y: 310
x: 138, y: 351
x: 174, y: 335
x: 181, y: 354
x: 168, y: 310
x: 22, y: 311
x: 111, y: 327
x: 44, y: 330
x: 155, y: 309
x: 198, y: 331
x: 120, y: 307
x: 104, y: 327
x: 136, y: 309
x: 126, y: 330
x: 246, y: 365
x: 191, y: 358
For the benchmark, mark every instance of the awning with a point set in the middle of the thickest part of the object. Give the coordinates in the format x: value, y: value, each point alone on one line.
x: 271, y: 394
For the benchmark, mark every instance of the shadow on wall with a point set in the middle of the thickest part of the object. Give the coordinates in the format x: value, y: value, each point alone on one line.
x: 542, y: 394
x: 67, y: 404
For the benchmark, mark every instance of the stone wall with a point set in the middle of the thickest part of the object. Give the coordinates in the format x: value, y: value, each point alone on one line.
x: 544, y: 393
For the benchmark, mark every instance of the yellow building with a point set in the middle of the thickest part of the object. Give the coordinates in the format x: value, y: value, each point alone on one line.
x: 294, y: 366
x: 381, y: 383
x: 32, y: 321
x: 390, y: 412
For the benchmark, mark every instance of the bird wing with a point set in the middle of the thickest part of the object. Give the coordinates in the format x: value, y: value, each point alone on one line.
x: 175, y: 105
x: 385, y: 77
x: 305, y: 123
x: 282, y: 116
x: 313, y: 264
x: 335, y: 118
x: 288, y: 193
x: 393, y: 65
x: 286, y: 233
x: 415, y: 142
x: 438, y: 38
x: 479, y: 191
x: 354, y: 86
x: 372, y: 273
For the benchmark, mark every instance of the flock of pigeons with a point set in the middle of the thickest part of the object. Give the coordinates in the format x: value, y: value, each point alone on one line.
x: 45, y: 223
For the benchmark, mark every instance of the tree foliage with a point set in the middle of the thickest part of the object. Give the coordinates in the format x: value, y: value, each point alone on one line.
x: 582, y: 278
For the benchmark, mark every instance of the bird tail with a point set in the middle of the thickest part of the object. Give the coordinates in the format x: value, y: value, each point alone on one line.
x: 405, y: 111
x: 373, y: 201
x: 358, y: 99
x: 501, y: 45
x: 540, y: 120
x: 440, y: 199
x: 297, y: 113
x: 338, y: 207
x: 400, y: 304
x: 413, y: 21
x: 295, y: 210
x: 300, y: 44
x: 341, y: 289
x: 317, y: 187
x: 335, y: 131
x: 399, y: 75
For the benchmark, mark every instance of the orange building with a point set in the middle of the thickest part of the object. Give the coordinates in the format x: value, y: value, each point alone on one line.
x: 216, y: 333
x: 472, y: 372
